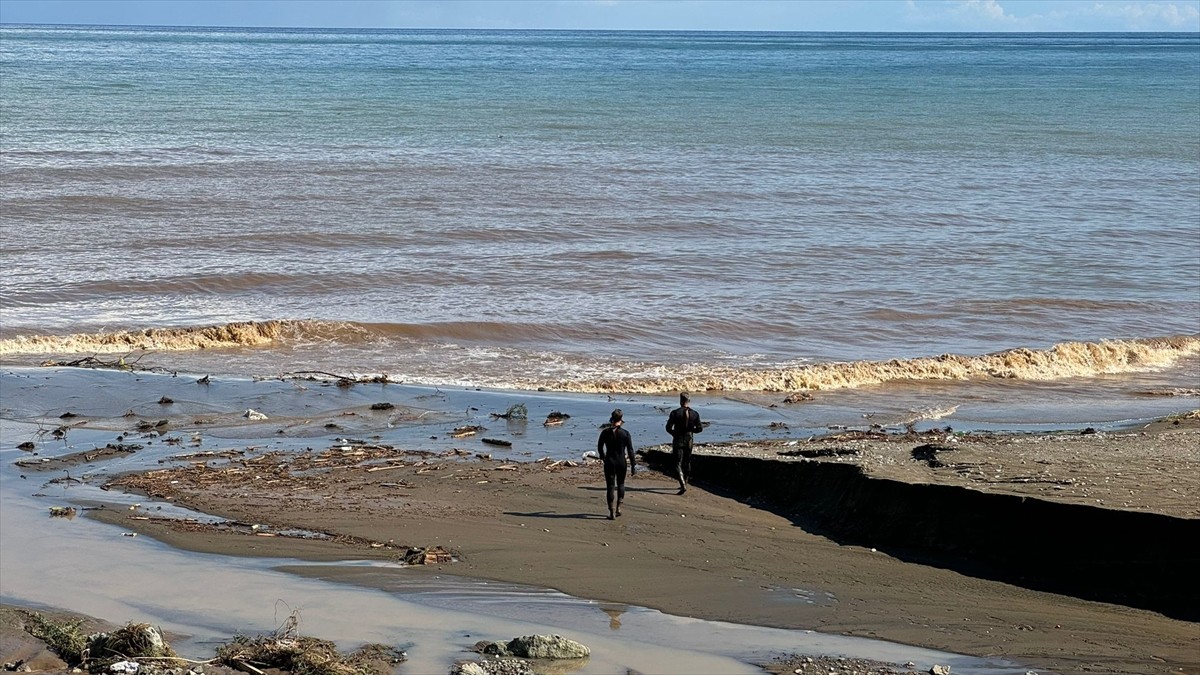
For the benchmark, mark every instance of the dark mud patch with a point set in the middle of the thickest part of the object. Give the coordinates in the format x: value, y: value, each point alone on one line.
x: 77, y: 458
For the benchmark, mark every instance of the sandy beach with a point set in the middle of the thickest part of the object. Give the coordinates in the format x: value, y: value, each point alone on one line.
x: 704, y: 554
x: 332, y: 476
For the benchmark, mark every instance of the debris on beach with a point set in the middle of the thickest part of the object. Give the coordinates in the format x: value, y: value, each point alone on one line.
x: 813, y: 453
x: 799, y: 397
x: 82, y: 457
x: 67, y: 512
x: 383, y: 405
x: 124, y: 650
x: 433, y: 555
x: 516, y: 411
x: 252, y: 414
x: 555, y: 418
x: 288, y: 651
x: 799, y: 664
x: 464, y: 431
x: 535, y: 647
x: 205, y: 454
x: 26, y: 446
x: 95, y: 362
x: 560, y: 464
x: 131, y: 642
x: 497, y: 441
x: 166, y: 400
x: 1177, y: 418
x: 493, y: 667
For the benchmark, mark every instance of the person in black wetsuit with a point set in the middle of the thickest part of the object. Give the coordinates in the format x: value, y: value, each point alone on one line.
x: 681, y: 424
x: 613, y: 446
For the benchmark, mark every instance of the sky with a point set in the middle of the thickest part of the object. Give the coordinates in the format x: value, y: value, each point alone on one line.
x: 749, y: 15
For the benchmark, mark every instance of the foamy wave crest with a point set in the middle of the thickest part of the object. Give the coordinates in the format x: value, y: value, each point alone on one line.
x: 243, y: 334
x: 1067, y: 359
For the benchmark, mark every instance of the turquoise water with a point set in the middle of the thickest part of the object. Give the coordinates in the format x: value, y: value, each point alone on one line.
x: 611, y: 201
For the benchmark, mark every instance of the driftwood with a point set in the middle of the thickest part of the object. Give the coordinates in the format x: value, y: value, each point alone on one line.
x: 122, y: 363
x: 462, y: 432
x: 340, y: 380
x: 516, y: 411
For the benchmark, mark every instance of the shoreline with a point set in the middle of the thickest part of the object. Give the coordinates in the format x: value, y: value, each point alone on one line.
x: 533, y: 514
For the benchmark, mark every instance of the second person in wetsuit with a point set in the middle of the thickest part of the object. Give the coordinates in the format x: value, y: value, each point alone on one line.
x: 681, y: 424
x: 613, y: 446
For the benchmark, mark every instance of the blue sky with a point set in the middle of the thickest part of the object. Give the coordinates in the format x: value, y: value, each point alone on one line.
x: 798, y: 15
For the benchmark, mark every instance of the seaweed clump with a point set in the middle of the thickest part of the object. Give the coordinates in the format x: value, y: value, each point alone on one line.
x: 96, y: 652
x: 64, y: 638
x: 131, y: 642
x: 287, y: 650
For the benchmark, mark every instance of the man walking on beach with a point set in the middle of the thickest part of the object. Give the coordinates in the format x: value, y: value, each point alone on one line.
x: 681, y: 424
x: 613, y: 446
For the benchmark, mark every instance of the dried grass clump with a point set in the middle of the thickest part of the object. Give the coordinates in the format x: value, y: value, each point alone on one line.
x: 300, y: 655
x: 62, y: 637
x: 304, y: 655
x: 133, y: 641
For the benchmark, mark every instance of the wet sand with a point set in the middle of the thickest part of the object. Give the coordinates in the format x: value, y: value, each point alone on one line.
x: 702, y: 554
x: 710, y: 554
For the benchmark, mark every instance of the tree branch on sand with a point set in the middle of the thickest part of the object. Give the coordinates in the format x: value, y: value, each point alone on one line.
x: 516, y: 411
x: 122, y: 362
x: 340, y: 380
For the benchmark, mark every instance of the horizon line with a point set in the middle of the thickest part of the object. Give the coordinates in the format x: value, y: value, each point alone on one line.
x: 596, y: 30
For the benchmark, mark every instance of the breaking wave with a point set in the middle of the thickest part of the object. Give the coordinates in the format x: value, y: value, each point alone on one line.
x: 1063, y: 360
x: 241, y: 334
x: 398, y: 348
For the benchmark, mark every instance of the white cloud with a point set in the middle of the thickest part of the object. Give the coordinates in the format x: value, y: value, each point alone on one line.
x: 1151, y: 14
x: 1053, y: 15
x: 990, y: 9
x: 960, y: 14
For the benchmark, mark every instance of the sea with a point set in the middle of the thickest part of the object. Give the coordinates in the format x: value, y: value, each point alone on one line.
x: 807, y: 231
x: 738, y: 214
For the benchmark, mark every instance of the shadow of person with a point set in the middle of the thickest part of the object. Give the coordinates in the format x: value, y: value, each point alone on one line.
x: 548, y: 514
x: 629, y: 488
